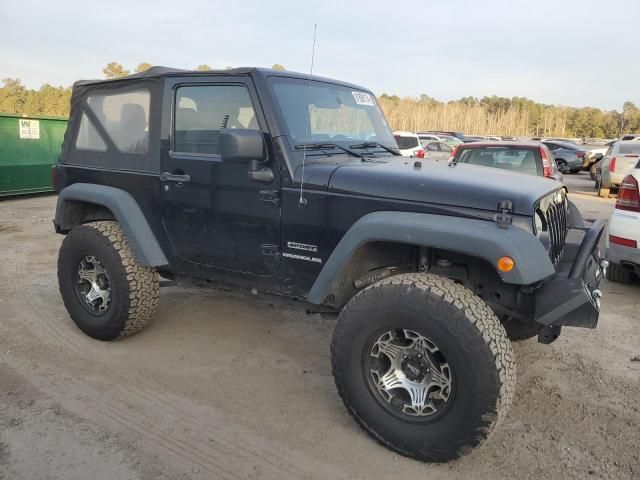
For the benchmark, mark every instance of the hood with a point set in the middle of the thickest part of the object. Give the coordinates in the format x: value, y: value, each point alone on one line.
x: 463, y: 185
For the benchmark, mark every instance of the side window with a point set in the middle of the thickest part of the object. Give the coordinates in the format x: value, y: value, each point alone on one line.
x: 124, y: 116
x: 433, y: 147
x: 88, y: 137
x: 202, y: 111
x: 445, y: 148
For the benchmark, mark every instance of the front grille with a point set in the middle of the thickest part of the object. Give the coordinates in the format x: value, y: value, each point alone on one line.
x: 554, y: 210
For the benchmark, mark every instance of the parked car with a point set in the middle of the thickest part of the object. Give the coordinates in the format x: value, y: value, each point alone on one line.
x: 569, y: 157
x: 629, y: 136
x: 623, y: 246
x: 428, y: 272
x: 459, y: 135
x: 473, y: 138
x: 598, y: 154
x: 528, y: 158
x: 451, y: 141
x: 409, y: 144
x: 437, y: 150
x: 613, y: 168
x: 448, y: 139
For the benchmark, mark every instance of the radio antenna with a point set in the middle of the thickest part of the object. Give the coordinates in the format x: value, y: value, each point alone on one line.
x: 302, y: 202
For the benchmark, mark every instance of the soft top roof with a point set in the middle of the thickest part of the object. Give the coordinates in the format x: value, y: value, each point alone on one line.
x: 157, y: 72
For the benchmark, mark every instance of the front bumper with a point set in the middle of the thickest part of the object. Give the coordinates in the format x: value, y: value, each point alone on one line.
x: 571, y: 297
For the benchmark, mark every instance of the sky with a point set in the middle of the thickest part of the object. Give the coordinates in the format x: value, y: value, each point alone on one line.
x: 577, y: 53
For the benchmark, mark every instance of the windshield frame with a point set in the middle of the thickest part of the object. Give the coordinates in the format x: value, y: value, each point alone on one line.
x: 294, y: 145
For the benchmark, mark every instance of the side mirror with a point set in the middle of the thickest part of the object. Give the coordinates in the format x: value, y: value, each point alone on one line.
x: 238, y: 145
x: 599, y: 156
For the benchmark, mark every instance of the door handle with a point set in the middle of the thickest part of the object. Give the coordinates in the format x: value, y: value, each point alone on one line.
x: 175, y: 177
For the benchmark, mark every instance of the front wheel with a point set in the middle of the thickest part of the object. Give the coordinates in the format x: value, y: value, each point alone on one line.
x: 108, y: 294
x: 423, y: 365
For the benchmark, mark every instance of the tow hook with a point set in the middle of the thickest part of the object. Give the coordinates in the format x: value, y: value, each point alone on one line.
x: 604, y: 264
x: 549, y: 333
x: 597, y: 295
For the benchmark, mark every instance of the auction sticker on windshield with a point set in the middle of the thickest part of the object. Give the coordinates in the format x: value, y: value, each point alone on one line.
x: 363, y: 98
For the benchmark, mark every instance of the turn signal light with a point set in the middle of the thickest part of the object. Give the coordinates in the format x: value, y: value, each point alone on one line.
x: 505, y: 264
x: 612, y: 165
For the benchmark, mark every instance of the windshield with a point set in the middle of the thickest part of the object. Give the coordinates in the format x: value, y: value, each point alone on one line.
x: 324, y: 112
x: 633, y: 148
x: 522, y: 160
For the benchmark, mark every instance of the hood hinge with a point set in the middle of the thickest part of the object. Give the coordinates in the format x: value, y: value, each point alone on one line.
x: 503, y: 218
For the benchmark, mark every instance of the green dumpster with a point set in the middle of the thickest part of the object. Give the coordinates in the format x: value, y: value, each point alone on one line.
x: 29, y: 146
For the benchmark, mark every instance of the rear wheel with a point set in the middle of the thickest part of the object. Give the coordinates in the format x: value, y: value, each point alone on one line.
x: 108, y: 294
x: 617, y: 273
x: 423, y: 365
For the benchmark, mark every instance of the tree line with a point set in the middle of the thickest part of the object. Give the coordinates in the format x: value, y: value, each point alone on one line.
x: 15, y: 97
x: 517, y: 116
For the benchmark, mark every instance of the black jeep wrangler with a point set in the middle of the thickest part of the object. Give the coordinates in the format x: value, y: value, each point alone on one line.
x: 289, y: 184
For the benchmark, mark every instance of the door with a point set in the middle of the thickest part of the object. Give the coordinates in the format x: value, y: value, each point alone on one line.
x: 215, y: 216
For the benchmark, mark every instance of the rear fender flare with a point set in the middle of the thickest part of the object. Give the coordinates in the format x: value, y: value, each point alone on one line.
x: 126, y: 211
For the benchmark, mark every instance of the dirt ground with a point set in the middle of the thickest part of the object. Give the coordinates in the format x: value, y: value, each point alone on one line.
x: 228, y: 386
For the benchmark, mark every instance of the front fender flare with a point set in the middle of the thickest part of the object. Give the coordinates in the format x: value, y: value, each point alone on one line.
x: 477, y: 238
x: 127, y: 212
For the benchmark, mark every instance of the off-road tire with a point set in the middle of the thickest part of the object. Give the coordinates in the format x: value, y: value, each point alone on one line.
x: 134, y: 287
x: 518, y: 331
x: 617, y: 273
x: 469, y: 335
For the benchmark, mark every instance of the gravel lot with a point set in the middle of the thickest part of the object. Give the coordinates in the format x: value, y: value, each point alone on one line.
x: 226, y: 385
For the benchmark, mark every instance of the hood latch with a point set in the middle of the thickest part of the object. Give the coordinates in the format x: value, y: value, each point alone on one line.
x: 503, y: 218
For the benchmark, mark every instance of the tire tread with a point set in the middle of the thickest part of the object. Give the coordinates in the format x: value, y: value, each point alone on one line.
x: 478, y: 314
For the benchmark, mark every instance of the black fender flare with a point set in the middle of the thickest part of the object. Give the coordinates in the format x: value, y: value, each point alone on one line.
x: 127, y: 212
x: 478, y: 238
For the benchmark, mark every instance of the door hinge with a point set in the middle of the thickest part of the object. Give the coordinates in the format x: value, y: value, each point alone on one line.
x: 503, y: 218
x: 270, y: 196
x: 270, y: 250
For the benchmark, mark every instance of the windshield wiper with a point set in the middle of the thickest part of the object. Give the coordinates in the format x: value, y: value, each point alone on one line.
x: 322, y: 146
x: 376, y: 144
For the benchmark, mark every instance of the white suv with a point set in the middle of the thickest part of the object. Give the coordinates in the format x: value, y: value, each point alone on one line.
x: 409, y: 144
x: 623, y: 246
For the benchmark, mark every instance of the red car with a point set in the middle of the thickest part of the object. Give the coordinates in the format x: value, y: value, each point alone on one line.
x: 531, y: 158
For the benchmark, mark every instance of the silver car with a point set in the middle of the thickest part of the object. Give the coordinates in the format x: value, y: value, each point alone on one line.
x: 621, y: 157
x: 436, y: 150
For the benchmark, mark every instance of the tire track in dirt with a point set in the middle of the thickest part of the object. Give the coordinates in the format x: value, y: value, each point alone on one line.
x: 36, y: 300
